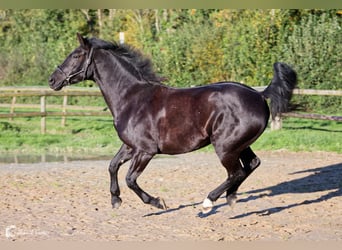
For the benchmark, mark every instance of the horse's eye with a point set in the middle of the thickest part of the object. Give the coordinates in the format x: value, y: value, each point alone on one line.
x: 76, y: 56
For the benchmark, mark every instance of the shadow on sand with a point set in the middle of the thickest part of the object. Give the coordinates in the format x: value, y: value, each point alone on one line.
x: 328, y: 178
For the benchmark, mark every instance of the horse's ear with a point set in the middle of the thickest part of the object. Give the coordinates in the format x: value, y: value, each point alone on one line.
x: 83, y: 41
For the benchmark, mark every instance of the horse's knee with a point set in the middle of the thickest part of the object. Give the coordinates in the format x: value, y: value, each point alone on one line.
x: 111, y: 170
x: 113, y: 166
x: 131, y: 182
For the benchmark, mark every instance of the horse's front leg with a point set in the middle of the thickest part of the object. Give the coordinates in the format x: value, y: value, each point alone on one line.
x: 123, y: 155
x: 138, y: 165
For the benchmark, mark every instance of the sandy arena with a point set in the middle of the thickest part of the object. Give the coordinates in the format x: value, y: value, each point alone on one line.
x: 291, y: 196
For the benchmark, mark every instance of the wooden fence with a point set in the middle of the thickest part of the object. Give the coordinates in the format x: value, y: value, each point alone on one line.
x: 43, y: 93
x: 277, y: 122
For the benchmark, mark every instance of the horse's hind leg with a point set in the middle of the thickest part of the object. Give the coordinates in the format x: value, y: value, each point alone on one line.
x: 123, y: 155
x: 236, y: 174
x: 250, y: 162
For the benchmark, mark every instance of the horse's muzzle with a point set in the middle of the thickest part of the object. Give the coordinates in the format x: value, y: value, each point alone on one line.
x: 55, y: 85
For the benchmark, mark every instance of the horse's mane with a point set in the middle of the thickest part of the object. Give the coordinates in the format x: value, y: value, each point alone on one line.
x: 131, y: 58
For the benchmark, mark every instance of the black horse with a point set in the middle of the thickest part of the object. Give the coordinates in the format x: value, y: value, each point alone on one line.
x: 152, y: 118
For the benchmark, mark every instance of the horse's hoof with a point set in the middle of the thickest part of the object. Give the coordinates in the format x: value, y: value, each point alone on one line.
x: 164, y: 207
x: 116, y: 202
x: 231, y: 199
x: 207, y: 206
x: 160, y: 203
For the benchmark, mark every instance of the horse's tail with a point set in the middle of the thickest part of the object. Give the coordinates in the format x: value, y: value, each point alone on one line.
x: 279, y: 91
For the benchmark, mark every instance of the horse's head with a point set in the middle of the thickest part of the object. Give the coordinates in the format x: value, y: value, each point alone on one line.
x: 74, y: 68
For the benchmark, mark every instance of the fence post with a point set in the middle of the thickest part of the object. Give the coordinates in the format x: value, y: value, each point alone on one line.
x: 14, y: 100
x: 276, y: 122
x: 43, y: 118
x: 121, y: 37
x: 65, y: 103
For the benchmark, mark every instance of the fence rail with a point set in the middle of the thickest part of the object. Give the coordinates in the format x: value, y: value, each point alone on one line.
x: 314, y: 116
x: 317, y: 92
x: 43, y: 93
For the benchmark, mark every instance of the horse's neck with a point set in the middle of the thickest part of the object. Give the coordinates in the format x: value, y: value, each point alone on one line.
x: 118, y: 87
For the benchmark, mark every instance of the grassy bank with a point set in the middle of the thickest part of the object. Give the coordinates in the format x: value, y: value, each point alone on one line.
x: 96, y: 136
x: 84, y: 135
x: 303, y: 135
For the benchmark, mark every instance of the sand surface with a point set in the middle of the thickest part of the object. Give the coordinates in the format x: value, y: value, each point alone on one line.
x: 291, y: 196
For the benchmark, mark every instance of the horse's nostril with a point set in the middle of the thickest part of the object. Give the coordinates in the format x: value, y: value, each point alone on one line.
x: 51, y: 80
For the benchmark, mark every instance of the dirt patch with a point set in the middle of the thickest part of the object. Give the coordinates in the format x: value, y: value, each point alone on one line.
x: 291, y: 196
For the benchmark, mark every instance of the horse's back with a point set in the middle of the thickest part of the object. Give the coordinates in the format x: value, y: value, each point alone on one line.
x: 229, y: 96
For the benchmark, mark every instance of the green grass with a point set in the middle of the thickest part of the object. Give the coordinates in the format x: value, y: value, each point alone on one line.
x: 303, y: 135
x: 85, y: 135
x: 96, y: 136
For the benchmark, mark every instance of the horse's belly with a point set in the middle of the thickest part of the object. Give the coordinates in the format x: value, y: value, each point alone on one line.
x: 182, y: 142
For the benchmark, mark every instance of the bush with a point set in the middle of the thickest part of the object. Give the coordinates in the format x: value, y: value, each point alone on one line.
x: 189, y: 47
x: 190, y: 56
x: 314, y: 47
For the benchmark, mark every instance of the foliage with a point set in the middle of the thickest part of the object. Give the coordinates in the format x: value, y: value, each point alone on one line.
x: 189, y: 47
x: 315, y: 48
